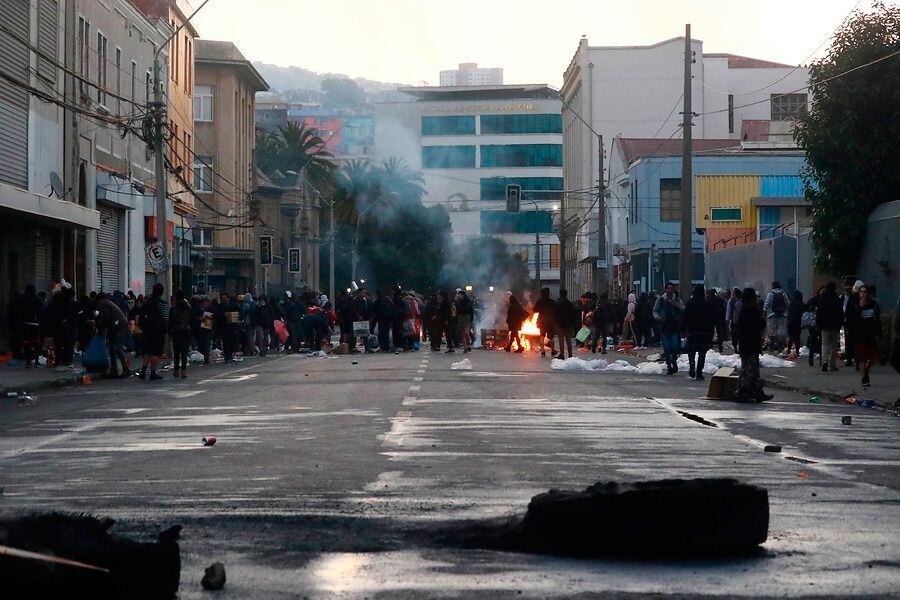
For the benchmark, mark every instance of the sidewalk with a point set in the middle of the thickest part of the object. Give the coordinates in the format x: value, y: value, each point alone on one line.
x: 22, y: 380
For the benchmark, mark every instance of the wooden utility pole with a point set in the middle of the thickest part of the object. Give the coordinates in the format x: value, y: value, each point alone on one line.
x: 685, y: 255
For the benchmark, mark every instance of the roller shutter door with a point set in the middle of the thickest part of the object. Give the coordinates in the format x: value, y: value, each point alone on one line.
x: 109, y: 249
x: 14, y: 61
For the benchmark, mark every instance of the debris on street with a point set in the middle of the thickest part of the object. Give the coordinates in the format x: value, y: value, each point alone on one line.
x: 213, y: 577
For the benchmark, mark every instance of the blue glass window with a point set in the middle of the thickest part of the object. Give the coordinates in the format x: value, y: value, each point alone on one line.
x: 521, y: 123
x: 521, y: 155
x: 449, y: 125
x: 535, y: 188
x: 448, y: 157
x: 535, y: 221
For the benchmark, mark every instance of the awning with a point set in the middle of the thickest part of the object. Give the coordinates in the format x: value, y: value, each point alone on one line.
x: 63, y: 212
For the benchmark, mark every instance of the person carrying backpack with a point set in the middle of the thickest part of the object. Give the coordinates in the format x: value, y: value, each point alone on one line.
x: 776, y: 310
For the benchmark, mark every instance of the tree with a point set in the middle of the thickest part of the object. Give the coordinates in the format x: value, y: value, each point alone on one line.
x: 341, y: 92
x: 304, y: 152
x: 268, y: 151
x: 850, y: 135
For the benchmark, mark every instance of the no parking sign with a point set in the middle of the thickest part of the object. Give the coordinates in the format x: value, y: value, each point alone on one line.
x: 157, y: 257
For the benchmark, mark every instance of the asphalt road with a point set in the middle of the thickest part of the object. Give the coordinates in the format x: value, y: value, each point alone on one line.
x: 334, y: 479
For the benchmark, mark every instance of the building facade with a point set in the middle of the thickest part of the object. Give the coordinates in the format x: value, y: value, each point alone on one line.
x: 733, y: 202
x: 637, y: 92
x: 225, y: 247
x: 470, y: 143
x: 43, y: 224
x: 471, y: 74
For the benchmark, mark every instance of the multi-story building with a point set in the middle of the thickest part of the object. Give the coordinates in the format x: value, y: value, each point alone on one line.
x: 471, y: 74
x: 225, y: 245
x: 470, y: 143
x: 112, y: 50
x: 637, y: 92
x: 43, y: 222
x: 172, y: 16
x: 740, y: 195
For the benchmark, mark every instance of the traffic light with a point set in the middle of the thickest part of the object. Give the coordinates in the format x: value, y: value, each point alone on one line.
x: 265, y: 249
x: 293, y: 260
x: 513, y: 198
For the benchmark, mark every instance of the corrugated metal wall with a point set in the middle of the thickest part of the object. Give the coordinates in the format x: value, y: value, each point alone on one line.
x: 726, y: 191
x: 781, y: 186
x: 14, y: 99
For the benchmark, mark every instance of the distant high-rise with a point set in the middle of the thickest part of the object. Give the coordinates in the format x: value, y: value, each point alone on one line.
x: 470, y: 74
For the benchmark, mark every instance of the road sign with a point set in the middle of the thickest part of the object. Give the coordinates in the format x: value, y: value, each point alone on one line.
x: 157, y: 258
x: 293, y: 260
x: 513, y: 198
x: 265, y: 249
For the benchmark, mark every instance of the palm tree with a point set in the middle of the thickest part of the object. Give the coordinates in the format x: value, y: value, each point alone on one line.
x: 268, y: 151
x: 395, y: 177
x: 304, y: 152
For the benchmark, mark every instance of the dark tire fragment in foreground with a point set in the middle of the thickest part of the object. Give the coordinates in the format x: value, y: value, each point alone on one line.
x: 667, y: 517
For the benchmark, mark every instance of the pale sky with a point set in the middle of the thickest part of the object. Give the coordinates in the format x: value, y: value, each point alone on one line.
x: 410, y: 41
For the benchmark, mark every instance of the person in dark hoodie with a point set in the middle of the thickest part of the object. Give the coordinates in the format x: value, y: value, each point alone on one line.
x: 264, y: 322
x: 545, y: 307
x: 699, y: 323
x: 515, y: 316
x: 180, y: 330
x: 383, y: 315
x: 751, y: 324
x: 567, y: 317
x: 62, y: 318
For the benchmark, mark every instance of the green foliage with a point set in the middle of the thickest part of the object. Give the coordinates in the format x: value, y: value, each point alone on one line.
x: 295, y: 148
x: 851, y: 135
x: 341, y: 92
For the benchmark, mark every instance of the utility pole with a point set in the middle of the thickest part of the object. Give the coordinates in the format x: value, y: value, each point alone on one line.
x: 331, y: 253
x: 537, y: 259
x: 159, y: 132
x: 602, y: 285
x: 685, y: 255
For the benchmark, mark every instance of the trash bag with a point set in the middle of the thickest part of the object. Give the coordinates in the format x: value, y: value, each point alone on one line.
x: 95, y: 358
x: 583, y: 334
x: 281, y: 331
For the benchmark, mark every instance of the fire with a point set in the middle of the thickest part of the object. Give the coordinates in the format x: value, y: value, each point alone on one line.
x: 529, y: 332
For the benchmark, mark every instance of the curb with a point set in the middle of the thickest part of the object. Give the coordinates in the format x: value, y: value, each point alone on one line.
x: 58, y: 382
x: 831, y: 396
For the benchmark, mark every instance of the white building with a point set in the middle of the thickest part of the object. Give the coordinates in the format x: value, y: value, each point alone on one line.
x: 112, y: 49
x: 471, y: 74
x: 637, y: 92
x: 469, y: 143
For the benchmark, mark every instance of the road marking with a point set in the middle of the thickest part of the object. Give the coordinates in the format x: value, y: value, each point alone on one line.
x: 420, y: 370
x: 415, y: 388
x: 231, y: 379
x: 409, y: 398
x: 418, y: 378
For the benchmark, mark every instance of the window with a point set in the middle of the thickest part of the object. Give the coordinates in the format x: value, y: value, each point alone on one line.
x: 188, y: 61
x: 203, y: 174
x: 174, y: 58
x: 119, y: 78
x: 725, y: 215
x: 451, y: 125
x: 84, y: 53
x: 730, y: 113
x: 186, y: 153
x: 551, y: 123
x: 534, y: 221
x: 522, y: 155
x: 535, y: 188
x: 147, y: 88
x: 202, y: 237
x: 133, y: 86
x: 102, y: 63
x: 670, y: 199
x: 173, y: 143
x: 788, y: 106
x: 203, y: 103
x: 448, y: 157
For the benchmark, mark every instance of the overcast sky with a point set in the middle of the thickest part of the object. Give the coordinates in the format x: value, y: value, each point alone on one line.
x: 410, y: 41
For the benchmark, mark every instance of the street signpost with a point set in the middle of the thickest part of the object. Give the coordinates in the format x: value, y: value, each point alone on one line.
x: 157, y: 258
x: 293, y: 260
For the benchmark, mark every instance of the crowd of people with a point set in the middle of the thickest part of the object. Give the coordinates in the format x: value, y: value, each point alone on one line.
x: 399, y: 320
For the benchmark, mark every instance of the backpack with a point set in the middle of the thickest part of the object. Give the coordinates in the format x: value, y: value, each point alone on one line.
x: 779, y: 303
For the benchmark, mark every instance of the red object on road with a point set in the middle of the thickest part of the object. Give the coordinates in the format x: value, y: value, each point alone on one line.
x: 209, y: 440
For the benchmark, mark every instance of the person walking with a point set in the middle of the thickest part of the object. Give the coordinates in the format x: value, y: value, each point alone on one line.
x: 431, y: 318
x: 264, y: 323
x: 667, y: 314
x: 699, y: 323
x: 795, y: 322
x: 180, y: 330
x: 465, y: 316
x: 515, y: 316
x: 849, y: 299
x: 829, y: 320
x: 628, y: 322
x: 776, y: 309
x: 112, y: 323
x: 718, y: 305
x: 751, y: 325
x: 867, y: 331
x: 732, y: 312
x: 384, y: 319
x: 566, y: 317
x: 545, y: 307
x: 808, y: 321
x: 154, y: 324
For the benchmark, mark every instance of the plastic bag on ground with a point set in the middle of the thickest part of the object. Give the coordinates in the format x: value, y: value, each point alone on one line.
x: 195, y: 357
x: 463, y: 365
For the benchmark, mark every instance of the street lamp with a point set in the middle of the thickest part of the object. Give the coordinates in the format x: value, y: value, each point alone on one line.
x: 469, y: 288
